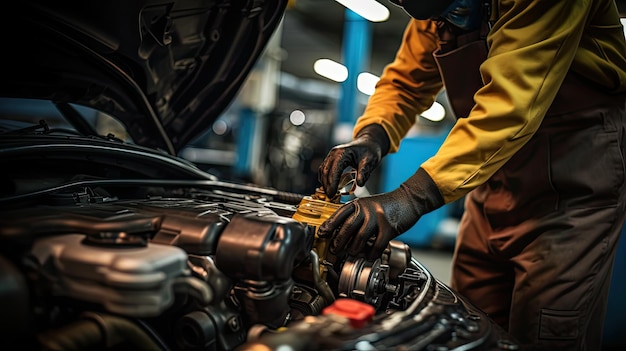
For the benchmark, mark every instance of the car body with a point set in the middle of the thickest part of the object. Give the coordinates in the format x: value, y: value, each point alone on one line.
x: 110, y: 241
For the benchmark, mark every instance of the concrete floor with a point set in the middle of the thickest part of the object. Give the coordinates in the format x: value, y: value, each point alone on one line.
x: 437, y: 261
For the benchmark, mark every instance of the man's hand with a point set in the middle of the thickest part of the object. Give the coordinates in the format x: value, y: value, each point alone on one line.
x: 377, y: 219
x: 364, y: 154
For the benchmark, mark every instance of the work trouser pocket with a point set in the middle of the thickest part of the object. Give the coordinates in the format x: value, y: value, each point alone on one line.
x: 521, y: 189
x: 587, y: 158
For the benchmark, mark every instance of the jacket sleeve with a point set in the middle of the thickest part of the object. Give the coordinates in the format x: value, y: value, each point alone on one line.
x: 408, y: 85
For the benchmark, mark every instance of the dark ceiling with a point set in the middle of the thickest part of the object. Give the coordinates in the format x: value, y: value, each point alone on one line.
x: 313, y: 29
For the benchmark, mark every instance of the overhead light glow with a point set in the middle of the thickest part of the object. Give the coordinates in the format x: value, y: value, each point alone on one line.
x: 220, y: 127
x: 435, y: 113
x: 366, y: 82
x: 330, y: 69
x: 297, y: 117
x: 371, y: 10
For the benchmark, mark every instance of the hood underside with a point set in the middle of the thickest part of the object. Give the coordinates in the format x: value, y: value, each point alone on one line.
x: 165, y: 69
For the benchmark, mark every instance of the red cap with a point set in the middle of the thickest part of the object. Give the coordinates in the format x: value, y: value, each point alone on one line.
x: 359, y: 313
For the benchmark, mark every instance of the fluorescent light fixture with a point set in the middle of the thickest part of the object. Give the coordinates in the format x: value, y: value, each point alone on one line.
x: 330, y: 69
x: 435, y: 113
x: 366, y: 82
x: 371, y: 10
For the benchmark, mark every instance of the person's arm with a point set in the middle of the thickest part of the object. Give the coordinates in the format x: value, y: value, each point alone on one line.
x: 408, y: 85
x: 531, y: 49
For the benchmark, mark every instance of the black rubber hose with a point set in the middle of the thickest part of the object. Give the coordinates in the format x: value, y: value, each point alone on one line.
x: 96, y: 331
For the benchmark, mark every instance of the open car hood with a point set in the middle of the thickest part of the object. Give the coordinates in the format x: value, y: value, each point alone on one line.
x: 165, y: 69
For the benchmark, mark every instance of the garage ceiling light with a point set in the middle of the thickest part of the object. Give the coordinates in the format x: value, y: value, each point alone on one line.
x: 435, y: 113
x: 371, y: 10
x: 330, y: 69
x: 366, y: 82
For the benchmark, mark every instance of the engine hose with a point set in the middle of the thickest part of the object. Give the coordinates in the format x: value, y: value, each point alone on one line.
x: 320, y: 283
x: 94, y: 331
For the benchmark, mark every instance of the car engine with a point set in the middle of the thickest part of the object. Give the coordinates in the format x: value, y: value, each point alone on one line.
x: 210, y: 265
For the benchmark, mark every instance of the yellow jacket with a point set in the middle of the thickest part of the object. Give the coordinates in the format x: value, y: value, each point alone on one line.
x: 532, y: 45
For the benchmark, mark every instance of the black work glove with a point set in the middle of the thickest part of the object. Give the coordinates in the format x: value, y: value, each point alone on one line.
x: 380, y: 218
x: 363, y: 153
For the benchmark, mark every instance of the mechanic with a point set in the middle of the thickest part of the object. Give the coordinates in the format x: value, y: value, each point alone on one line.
x: 537, y: 151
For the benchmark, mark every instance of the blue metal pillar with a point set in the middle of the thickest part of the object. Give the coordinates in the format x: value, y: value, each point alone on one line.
x: 247, y: 123
x: 356, y: 53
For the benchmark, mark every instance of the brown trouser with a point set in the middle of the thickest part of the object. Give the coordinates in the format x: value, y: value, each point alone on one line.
x: 537, y: 242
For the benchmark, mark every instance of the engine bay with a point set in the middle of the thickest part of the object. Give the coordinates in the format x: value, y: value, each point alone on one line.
x: 210, y: 265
